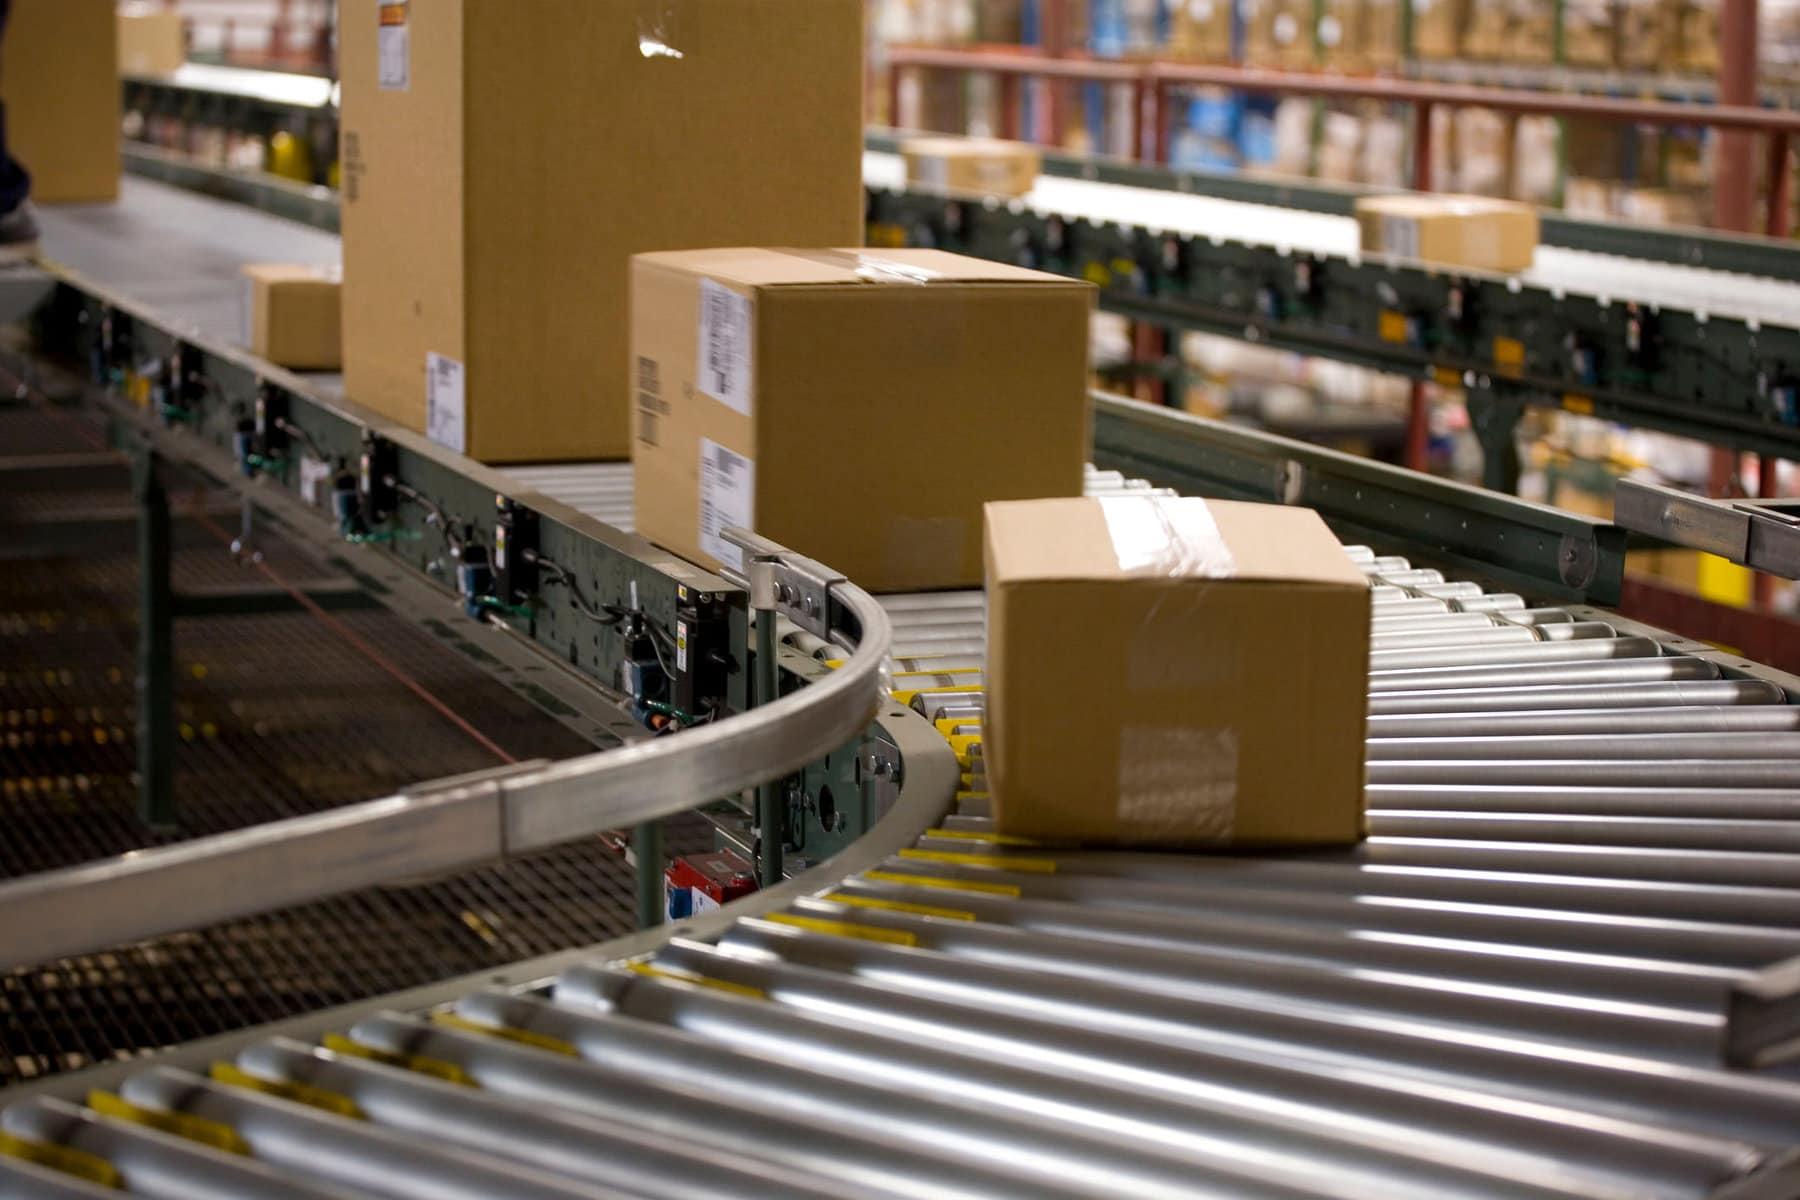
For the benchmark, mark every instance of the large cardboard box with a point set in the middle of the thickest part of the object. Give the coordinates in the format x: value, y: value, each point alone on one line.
x: 856, y: 407
x: 152, y: 40
x: 293, y: 315
x: 1477, y: 232
x: 502, y: 162
x: 1215, y: 638
x: 977, y: 166
x: 59, y: 80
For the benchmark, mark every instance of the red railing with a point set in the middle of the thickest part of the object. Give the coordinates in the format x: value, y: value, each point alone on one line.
x: 1153, y: 82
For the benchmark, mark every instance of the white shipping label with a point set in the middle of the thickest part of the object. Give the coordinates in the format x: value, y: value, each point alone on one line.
x: 727, y: 498
x: 313, y: 473
x: 723, y: 371
x: 445, y: 420
x: 1400, y: 235
x: 394, y: 47
x: 703, y: 903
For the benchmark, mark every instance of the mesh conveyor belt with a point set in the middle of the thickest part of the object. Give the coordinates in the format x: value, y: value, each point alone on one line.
x: 1528, y: 1007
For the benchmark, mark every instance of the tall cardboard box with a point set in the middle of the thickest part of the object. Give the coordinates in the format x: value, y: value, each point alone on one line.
x: 502, y: 162
x: 59, y: 80
x: 1215, y: 638
x: 152, y: 40
x: 856, y: 407
x: 1476, y: 232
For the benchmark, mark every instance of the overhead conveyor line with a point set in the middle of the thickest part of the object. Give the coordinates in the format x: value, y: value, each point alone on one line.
x: 464, y: 822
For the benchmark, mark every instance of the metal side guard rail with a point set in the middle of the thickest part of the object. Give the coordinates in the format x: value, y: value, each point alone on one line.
x: 461, y: 823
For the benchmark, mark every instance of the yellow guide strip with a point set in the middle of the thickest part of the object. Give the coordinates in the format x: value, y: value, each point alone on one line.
x: 1030, y: 866
x: 301, y: 1093
x: 66, y: 1159
x: 868, y: 933
x: 540, y: 1041
x: 905, y: 906
x: 949, y: 885
x: 681, y: 975
x: 1582, y: 406
x: 195, y: 1129
x: 437, y: 1068
x: 1446, y: 377
x: 965, y: 835
x: 1391, y: 326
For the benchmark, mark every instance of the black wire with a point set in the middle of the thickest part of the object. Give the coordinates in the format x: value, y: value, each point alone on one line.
x: 433, y: 510
x: 606, y: 614
x: 292, y: 430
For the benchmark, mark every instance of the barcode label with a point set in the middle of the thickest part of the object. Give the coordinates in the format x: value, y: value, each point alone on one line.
x: 1400, y: 235
x: 394, y: 47
x: 727, y: 498
x: 724, y: 368
x: 650, y: 404
x: 445, y: 421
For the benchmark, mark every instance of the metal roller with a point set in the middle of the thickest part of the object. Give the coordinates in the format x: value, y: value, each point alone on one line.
x: 1773, y: 839
x: 1495, y: 728
x: 1418, y: 639
x: 350, y: 1152
x: 1771, y: 804
x: 1668, y: 682
x: 1539, y: 616
x: 1762, y: 869
x: 1645, y: 771
x: 1622, y: 744
x: 1534, y: 653
x: 21, y: 1179
x: 1444, y: 620
x: 568, y: 1143
x: 1532, y: 672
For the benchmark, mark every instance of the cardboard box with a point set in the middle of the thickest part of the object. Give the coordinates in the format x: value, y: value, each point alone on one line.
x: 1438, y: 27
x: 1477, y: 232
x: 499, y: 172
x: 1188, y: 610
x: 59, y: 79
x: 979, y: 166
x: 152, y: 41
x: 1201, y: 29
x: 856, y: 407
x: 293, y: 315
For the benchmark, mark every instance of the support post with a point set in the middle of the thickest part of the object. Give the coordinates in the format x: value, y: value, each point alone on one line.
x: 1421, y: 147
x: 1777, y: 220
x: 1734, y: 196
x: 155, y: 648
x: 771, y: 809
x: 647, y: 849
x: 1418, y: 428
x: 1496, y: 425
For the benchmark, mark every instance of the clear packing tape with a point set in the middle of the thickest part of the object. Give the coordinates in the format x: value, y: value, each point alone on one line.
x: 1174, y: 537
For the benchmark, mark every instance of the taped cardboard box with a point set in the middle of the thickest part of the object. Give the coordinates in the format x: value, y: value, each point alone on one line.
x: 59, y: 79
x: 1187, y: 609
x: 856, y: 407
x: 152, y: 41
x: 502, y: 162
x: 975, y: 166
x: 292, y: 315
x: 1476, y: 232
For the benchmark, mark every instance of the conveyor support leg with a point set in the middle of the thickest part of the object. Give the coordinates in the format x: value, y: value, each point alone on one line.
x: 1496, y: 425
x: 155, y: 651
x: 647, y: 849
x: 770, y: 809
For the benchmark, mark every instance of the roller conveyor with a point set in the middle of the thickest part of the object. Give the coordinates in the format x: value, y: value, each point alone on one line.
x: 1517, y: 987
x: 1584, y: 853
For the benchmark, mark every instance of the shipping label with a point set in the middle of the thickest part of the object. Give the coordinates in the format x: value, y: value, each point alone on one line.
x: 727, y: 497
x: 723, y: 371
x: 395, y: 47
x: 446, y: 420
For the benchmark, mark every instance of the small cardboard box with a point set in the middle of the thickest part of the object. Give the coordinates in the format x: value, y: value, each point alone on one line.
x: 502, y: 162
x: 1476, y: 232
x: 856, y: 407
x: 1215, y: 638
x: 979, y: 166
x: 152, y: 40
x: 59, y: 78
x: 293, y: 316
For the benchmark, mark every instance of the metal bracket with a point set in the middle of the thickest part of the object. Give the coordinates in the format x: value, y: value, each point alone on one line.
x: 1762, y: 1017
x: 1763, y: 538
x: 782, y: 582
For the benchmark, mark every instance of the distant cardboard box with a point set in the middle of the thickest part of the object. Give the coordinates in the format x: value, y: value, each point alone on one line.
x: 152, y: 40
x: 856, y: 406
x: 1215, y: 639
x: 1477, y: 232
x: 292, y: 314
x: 976, y: 166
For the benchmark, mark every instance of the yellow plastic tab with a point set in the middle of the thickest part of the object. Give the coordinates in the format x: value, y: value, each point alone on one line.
x: 1509, y: 355
x: 906, y: 697
x: 437, y: 1068
x: 968, y: 835
x: 1030, y: 866
x: 971, y: 795
x: 66, y: 1159
x: 918, y: 910
x: 300, y: 1093
x: 949, y: 885
x: 1097, y: 274
x: 682, y: 975
x: 1582, y: 406
x: 186, y: 1125
x: 1447, y: 377
x: 525, y: 1037
x: 1391, y: 326
x: 868, y: 933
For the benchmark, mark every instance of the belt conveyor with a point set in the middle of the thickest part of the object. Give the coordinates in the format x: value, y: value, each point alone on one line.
x: 1580, y: 846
